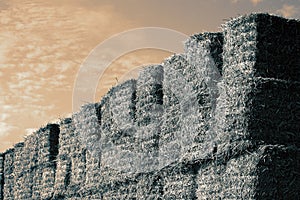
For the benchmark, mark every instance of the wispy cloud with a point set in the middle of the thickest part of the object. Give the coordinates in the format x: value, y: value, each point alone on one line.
x: 5, y: 129
x: 255, y: 2
x: 287, y: 10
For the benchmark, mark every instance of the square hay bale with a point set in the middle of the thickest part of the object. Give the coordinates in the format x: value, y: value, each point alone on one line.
x: 19, y: 186
x: 179, y: 182
x: 47, y: 183
x: 259, y: 81
x: 269, y: 172
x: 48, y: 143
x: 118, y: 128
x: 37, y: 182
x: 45, y: 144
x: 1, y: 175
x: 120, y: 189
x: 149, y: 185
x: 64, y: 165
x: 88, y: 129
x: 149, y: 109
x: 170, y: 137
x: 9, y: 184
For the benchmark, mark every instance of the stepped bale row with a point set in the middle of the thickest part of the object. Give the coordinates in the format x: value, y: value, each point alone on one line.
x: 219, y: 121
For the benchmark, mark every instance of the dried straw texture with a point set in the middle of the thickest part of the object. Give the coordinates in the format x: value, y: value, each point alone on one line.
x: 149, y: 109
x: 18, y: 170
x: 170, y: 138
x: 269, y: 172
x: 118, y: 128
x: 44, y: 171
x: 87, y: 124
x: 8, y: 189
x: 257, y: 97
x: 63, y: 172
x: 1, y: 175
x: 179, y: 182
x: 202, y: 73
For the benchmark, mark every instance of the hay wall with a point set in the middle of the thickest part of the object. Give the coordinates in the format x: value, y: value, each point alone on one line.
x: 200, y: 125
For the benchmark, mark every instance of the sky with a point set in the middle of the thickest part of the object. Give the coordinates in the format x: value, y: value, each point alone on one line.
x: 43, y: 44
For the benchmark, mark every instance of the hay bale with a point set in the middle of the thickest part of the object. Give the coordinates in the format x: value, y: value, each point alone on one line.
x: 9, y: 184
x: 179, y: 182
x: 1, y: 175
x: 269, y: 172
x: 260, y: 69
x: 149, y: 185
x: 45, y: 167
x: 118, y: 128
x: 64, y: 165
x: 149, y: 109
x: 170, y: 138
x: 19, y: 185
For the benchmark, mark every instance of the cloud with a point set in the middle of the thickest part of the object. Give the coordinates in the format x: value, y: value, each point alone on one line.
x: 287, y: 10
x: 255, y: 2
x: 6, y: 128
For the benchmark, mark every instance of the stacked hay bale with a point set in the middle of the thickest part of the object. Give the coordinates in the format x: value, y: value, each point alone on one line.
x: 30, y: 155
x: 19, y: 172
x: 76, y: 168
x: 44, y: 171
x: 170, y: 141
x: 269, y: 172
x: 8, y: 189
x: 149, y: 185
x: 64, y: 164
x: 149, y: 110
x: 179, y: 181
x: 202, y: 73
x: 87, y: 124
x: 260, y: 87
x: 257, y: 106
x: 118, y: 159
x: 1, y: 175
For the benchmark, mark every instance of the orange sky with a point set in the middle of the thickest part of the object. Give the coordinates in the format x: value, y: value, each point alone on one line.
x: 43, y: 44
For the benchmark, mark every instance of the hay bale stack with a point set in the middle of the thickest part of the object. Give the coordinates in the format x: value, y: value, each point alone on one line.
x: 118, y: 128
x: 202, y: 73
x: 87, y: 124
x: 19, y: 172
x: 9, y: 184
x: 76, y: 166
x: 63, y: 172
x: 149, y: 109
x: 260, y: 89
x: 1, y: 175
x: 29, y: 155
x: 44, y: 171
x: 269, y: 172
x: 118, y: 159
x: 170, y: 141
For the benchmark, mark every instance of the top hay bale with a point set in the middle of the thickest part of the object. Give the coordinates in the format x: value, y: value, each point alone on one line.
x: 260, y: 87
